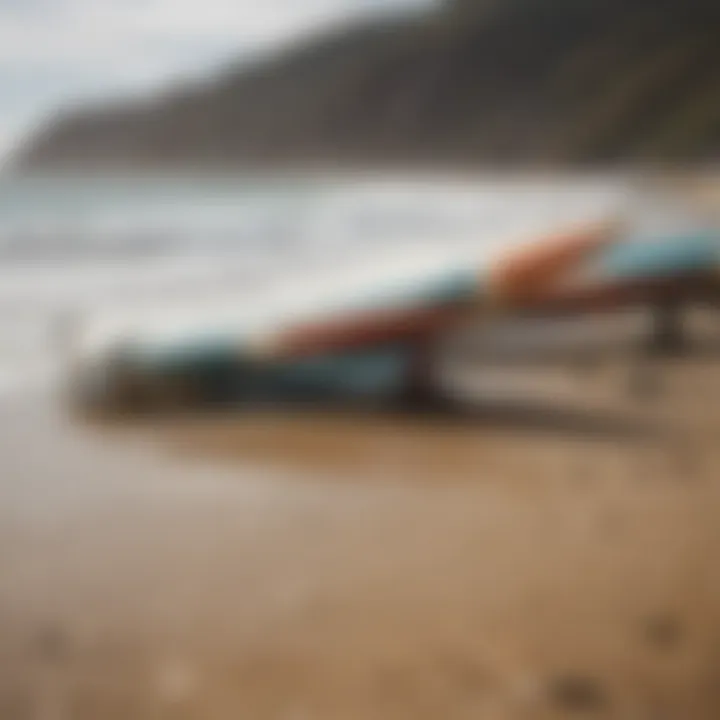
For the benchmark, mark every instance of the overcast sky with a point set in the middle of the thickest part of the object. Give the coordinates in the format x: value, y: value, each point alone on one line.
x: 58, y: 52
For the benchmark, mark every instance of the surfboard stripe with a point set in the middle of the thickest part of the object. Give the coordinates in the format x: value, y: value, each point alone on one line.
x: 533, y: 270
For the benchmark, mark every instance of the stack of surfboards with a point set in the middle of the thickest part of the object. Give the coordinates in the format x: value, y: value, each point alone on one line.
x: 380, y: 343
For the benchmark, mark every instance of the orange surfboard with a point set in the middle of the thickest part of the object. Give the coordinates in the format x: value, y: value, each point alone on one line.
x: 533, y: 271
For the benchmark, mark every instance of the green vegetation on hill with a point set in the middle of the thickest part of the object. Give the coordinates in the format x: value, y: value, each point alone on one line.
x: 481, y: 81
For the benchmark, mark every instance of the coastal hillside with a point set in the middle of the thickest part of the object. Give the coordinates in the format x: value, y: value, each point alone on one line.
x: 474, y: 82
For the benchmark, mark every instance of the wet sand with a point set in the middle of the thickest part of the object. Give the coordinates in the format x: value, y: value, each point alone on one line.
x: 545, y: 561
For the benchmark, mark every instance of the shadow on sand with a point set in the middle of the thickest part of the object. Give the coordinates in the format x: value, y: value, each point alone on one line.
x: 524, y: 416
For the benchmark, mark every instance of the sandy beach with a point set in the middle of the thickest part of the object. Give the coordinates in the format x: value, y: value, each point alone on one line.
x: 550, y: 561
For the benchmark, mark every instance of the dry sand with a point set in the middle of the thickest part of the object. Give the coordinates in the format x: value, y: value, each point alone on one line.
x: 546, y: 563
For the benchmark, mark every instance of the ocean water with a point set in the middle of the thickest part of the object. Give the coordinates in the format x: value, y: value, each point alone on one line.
x: 107, y: 251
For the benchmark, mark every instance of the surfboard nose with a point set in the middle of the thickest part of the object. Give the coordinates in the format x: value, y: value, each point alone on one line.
x: 532, y: 271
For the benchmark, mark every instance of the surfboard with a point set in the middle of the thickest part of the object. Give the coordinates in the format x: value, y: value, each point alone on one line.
x: 376, y: 339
